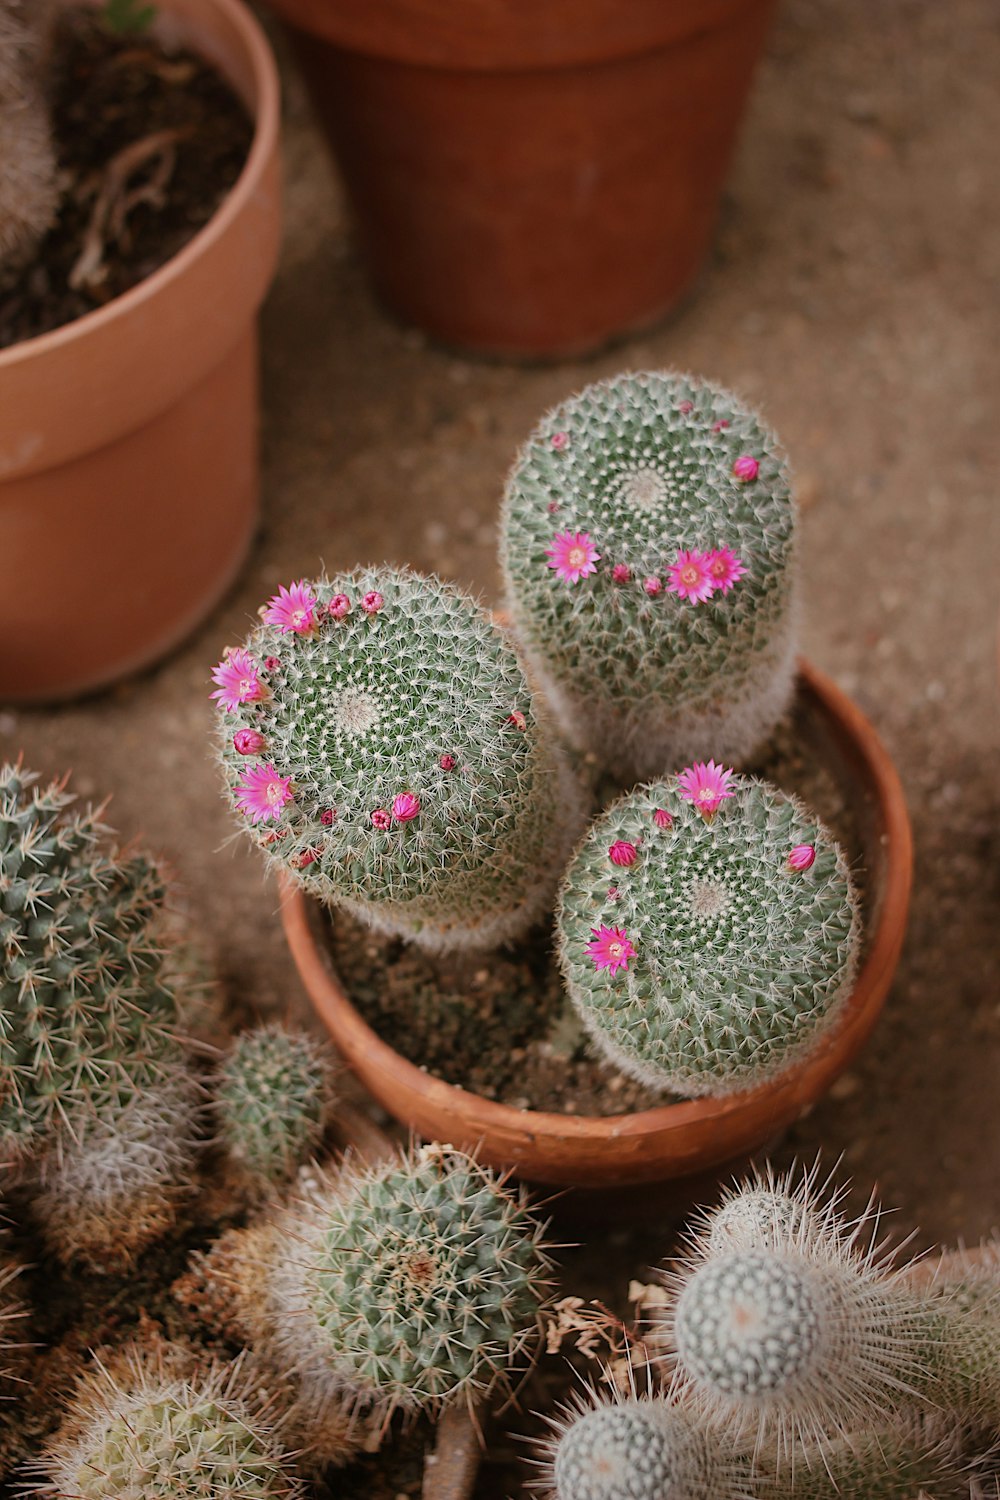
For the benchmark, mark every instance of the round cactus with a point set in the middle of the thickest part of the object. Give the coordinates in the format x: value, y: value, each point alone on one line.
x: 647, y: 551
x: 380, y: 741
x: 703, y: 952
x: 772, y: 1210
x: 273, y: 1101
x: 411, y: 1285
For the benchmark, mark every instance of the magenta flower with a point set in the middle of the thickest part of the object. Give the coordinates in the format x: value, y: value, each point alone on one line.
x: 263, y: 793
x: 689, y: 577
x: 381, y: 819
x: 706, y: 785
x: 801, y: 857
x: 724, y: 568
x: 721, y: 425
x: 609, y: 948
x: 621, y: 573
x: 685, y: 408
x: 653, y: 586
x: 272, y: 663
x: 291, y: 610
x: 560, y: 440
x: 613, y: 893
x: 339, y: 606
x: 517, y: 720
x: 327, y: 816
x: 623, y: 853
x: 372, y: 602
x: 662, y: 818
x: 237, y: 679
x: 248, y: 741
x: 552, y: 507
x: 746, y: 468
x: 405, y: 807
x: 573, y: 555
x: 447, y: 762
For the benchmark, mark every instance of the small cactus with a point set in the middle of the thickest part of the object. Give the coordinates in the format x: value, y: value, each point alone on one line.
x: 379, y: 741
x: 273, y: 1101
x: 647, y: 552
x: 710, y: 964
x: 28, y: 189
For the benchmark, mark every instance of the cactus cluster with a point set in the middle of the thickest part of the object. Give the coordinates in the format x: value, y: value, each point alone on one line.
x: 380, y: 741
x: 647, y: 550
x: 273, y: 1099
x: 28, y: 189
x: 700, y: 954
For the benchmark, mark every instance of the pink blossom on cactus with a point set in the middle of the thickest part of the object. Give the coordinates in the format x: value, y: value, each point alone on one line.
x: 272, y: 663
x: 381, y: 819
x: 706, y: 785
x: 292, y: 610
x: 689, y: 577
x: 339, y: 606
x: 609, y: 948
x: 572, y: 555
x: 746, y: 468
x: 560, y: 441
x: 623, y: 853
x: 447, y: 762
x: 248, y: 741
x: 237, y: 680
x: 552, y: 507
x: 621, y: 573
x: 685, y: 408
x: 405, y: 807
x: 263, y: 793
x: 372, y: 602
x: 662, y: 818
x: 721, y: 425
x: 327, y: 816
x: 613, y: 893
x: 724, y: 568
x: 305, y: 858
x: 653, y: 586
x: 801, y: 857
x: 517, y: 720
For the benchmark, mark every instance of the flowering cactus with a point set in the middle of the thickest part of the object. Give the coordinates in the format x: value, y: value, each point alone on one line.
x: 709, y: 965
x: 647, y: 551
x: 28, y: 193
x: 380, y: 742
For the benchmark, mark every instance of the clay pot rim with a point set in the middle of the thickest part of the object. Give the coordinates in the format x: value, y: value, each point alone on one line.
x: 265, y: 111
x: 781, y: 1101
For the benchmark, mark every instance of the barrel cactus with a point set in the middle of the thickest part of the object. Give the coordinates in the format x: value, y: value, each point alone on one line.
x: 648, y: 555
x: 708, y: 931
x: 28, y: 189
x: 379, y: 740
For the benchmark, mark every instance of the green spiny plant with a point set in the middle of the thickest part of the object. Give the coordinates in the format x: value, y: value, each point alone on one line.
x: 379, y: 740
x: 273, y: 1101
x: 647, y: 552
x: 28, y: 191
x: 708, y: 931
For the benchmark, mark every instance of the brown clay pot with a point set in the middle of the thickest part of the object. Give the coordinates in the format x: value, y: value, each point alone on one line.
x: 675, y: 1141
x: 128, y: 439
x: 531, y: 179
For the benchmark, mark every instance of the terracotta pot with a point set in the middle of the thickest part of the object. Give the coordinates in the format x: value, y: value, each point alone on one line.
x: 531, y: 179
x: 128, y: 439
x: 674, y: 1141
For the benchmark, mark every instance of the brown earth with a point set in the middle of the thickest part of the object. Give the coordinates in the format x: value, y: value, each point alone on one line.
x: 853, y: 294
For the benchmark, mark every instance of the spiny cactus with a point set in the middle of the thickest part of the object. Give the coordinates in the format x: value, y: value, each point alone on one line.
x: 87, y: 1004
x: 772, y: 1209
x: 28, y: 191
x: 647, y: 552
x: 380, y: 741
x: 148, y: 1428
x: 708, y: 932
x: 14, y: 1335
x: 412, y: 1285
x: 273, y: 1100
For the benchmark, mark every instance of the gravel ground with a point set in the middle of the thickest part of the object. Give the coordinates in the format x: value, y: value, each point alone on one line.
x: 853, y: 296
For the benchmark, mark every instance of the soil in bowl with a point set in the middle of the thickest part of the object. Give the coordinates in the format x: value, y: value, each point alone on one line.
x: 149, y: 142
x: 500, y: 1025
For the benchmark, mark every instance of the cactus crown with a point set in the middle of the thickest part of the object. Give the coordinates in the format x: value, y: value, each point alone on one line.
x: 85, y: 994
x: 737, y: 961
x: 273, y: 1100
x: 396, y: 760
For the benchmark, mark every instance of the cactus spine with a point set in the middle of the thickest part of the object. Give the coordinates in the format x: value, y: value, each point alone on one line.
x: 28, y: 192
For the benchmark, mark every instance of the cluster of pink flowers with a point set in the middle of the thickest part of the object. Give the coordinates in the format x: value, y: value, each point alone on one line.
x: 696, y: 576
x: 404, y: 809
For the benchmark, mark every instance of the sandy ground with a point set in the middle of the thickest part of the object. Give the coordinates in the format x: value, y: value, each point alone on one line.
x: 853, y: 295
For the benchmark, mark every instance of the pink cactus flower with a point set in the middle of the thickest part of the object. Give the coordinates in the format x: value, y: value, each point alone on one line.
x: 662, y: 818
x: 405, y: 807
x: 560, y: 441
x: 613, y: 893
x: 339, y: 606
x: 653, y: 586
x: 609, y: 948
x: 746, y: 468
x: 552, y: 507
x: 247, y: 741
x: 685, y: 408
x: 272, y: 663
x: 447, y: 762
x: 724, y: 568
x: 327, y: 816
x: 517, y: 720
x: 237, y: 679
x: 720, y: 426
x: 706, y: 785
x: 572, y: 555
x: 381, y: 819
x: 621, y: 573
x: 263, y: 793
x: 689, y: 577
x: 292, y: 610
x: 274, y: 836
x: 623, y: 853
x: 801, y: 857
x: 372, y: 602
x: 306, y: 858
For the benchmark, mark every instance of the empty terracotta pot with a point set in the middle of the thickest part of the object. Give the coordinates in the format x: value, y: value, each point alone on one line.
x: 675, y: 1142
x: 128, y: 439
x: 531, y: 179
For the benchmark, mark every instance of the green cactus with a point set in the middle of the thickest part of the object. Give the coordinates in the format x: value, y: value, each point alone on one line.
x: 700, y: 957
x: 647, y: 552
x: 380, y: 741
x: 87, y: 998
x: 412, y: 1285
x: 28, y: 190
x: 273, y: 1101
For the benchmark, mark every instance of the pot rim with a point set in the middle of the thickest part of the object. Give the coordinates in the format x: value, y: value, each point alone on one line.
x: 699, y: 1133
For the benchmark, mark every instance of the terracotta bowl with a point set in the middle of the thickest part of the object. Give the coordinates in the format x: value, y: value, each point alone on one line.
x: 673, y: 1141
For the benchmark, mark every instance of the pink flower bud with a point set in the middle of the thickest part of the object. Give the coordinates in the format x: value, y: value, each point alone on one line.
x: 613, y: 893
x: 746, y: 468
x: 272, y: 663
x: 339, y: 606
x: 653, y: 586
x: 248, y: 741
x: 372, y: 602
x: 405, y: 807
x: 447, y: 762
x: 621, y: 573
x: 685, y: 407
x: 307, y: 857
x: 662, y: 818
x: 517, y: 719
x: 720, y: 426
x: 552, y: 507
x: 560, y: 440
x: 381, y: 819
x: 623, y: 853
x: 327, y: 816
x: 801, y: 857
